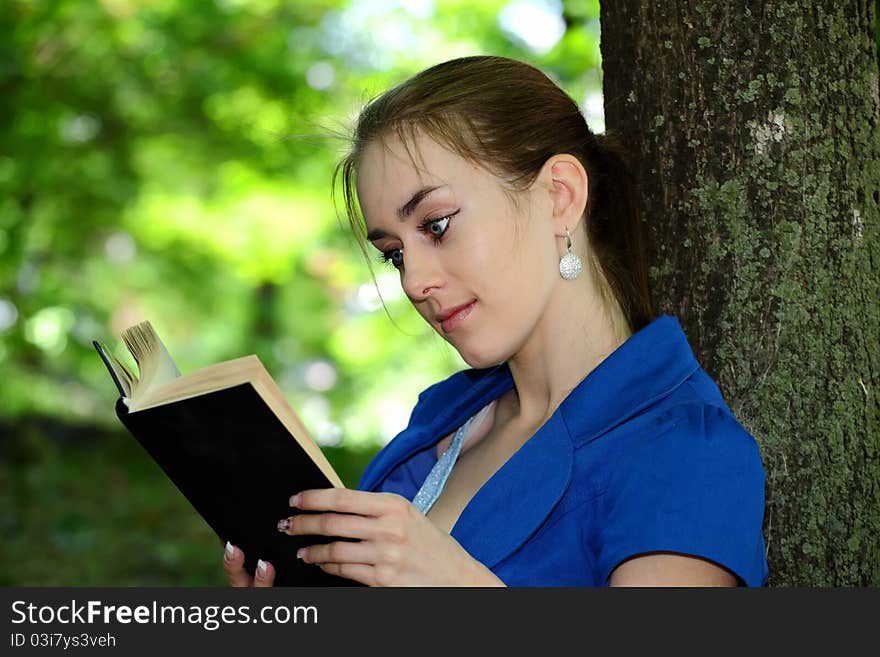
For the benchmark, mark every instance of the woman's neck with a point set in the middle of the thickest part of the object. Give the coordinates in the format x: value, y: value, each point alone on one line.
x: 569, y: 343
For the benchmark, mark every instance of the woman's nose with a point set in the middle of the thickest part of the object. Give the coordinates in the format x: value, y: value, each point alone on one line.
x: 421, y: 274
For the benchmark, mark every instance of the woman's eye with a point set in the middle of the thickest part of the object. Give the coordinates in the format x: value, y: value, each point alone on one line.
x: 437, y: 227
x: 393, y: 257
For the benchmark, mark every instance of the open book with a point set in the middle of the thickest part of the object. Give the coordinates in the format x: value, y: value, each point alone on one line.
x: 227, y: 438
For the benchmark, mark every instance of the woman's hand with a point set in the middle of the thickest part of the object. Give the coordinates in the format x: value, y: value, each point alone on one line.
x: 233, y: 564
x: 396, y: 544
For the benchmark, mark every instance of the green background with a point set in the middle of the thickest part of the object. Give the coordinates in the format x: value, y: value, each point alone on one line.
x: 171, y: 160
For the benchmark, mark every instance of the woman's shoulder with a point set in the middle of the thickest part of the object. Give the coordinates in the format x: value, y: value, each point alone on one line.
x: 708, y: 428
x: 691, y: 443
x: 688, y: 435
x: 697, y: 420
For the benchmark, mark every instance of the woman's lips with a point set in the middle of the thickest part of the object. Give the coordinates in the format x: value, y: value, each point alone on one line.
x: 455, y: 319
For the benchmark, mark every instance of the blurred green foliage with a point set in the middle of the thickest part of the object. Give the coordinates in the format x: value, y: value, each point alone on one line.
x: 170, y: 160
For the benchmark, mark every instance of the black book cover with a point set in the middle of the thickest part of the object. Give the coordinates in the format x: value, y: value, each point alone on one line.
x: 238, y: 465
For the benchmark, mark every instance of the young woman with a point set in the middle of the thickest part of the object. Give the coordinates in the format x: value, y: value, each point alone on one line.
x: 586, y: 446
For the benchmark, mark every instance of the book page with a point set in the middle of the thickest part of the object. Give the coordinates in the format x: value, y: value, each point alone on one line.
x: 155, y: 365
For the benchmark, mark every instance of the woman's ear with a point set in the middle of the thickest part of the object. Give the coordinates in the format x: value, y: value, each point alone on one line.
x: 567, y: 183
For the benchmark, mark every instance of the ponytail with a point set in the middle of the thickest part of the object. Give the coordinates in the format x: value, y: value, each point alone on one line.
x: 615, y: 230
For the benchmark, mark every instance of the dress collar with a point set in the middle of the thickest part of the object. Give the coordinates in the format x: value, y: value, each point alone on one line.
x: 442, y: 408
x: 647, y: 367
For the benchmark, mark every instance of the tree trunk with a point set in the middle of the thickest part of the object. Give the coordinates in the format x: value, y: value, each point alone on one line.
x: 753, y: 128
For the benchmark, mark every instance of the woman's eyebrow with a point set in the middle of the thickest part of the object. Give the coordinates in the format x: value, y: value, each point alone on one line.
x: 410, y: 206
x: 405, y: 210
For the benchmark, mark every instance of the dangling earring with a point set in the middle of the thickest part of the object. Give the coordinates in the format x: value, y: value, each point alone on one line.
x: 570, y: 266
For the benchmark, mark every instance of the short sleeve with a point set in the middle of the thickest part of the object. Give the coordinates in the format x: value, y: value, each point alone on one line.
x: 695, y: 486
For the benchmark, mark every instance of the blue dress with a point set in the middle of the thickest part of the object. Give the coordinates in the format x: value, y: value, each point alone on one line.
x: 642, y: 456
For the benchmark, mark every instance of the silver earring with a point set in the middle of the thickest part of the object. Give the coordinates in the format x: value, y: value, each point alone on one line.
x: 570, y: 266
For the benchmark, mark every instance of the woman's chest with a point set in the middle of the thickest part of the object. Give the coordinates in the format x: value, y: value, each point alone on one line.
x: 472, y: 470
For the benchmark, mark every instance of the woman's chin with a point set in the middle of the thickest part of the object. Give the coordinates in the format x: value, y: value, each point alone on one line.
x: 480, y: 361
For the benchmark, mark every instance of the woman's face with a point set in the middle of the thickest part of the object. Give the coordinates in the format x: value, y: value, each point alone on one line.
x: 478, y: 269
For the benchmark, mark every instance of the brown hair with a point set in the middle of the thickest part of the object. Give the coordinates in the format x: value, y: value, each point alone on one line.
x: 510, y: 118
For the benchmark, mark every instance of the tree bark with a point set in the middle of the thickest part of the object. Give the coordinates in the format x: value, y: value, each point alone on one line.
x: 754, y: 132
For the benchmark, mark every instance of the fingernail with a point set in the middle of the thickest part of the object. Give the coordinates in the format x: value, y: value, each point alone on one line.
x: 295, y: 499
x: 284, y: 524
x: 230, y: 551
x: 300, y: 553
x: 261, y: 568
